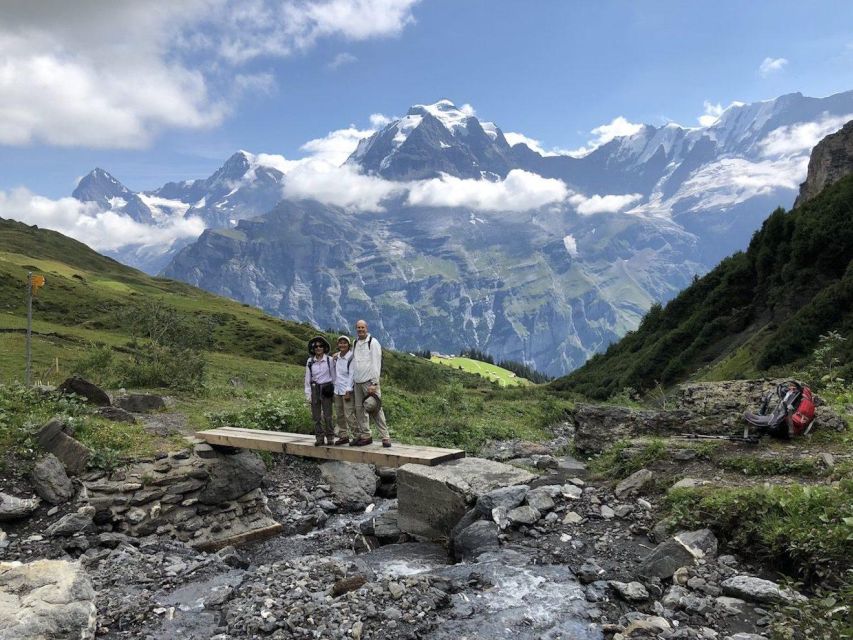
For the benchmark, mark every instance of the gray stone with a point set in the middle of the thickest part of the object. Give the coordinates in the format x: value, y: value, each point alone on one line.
x: 760, y: 590
x: 687, y: 483
x: 12, y: 508
x: 623, y: 510
x: 116, y: 414
x: 433, y: 499
x: 204, y: 450
x: 231, y: 476
x: 91, y: 393
x: 50, y: 481
x: 589, y: 571
x: 353, y: 484
x: 73, y: 523
x: 607, y: 513
x: 525, y: 514
x: 730, y: 606
x: 385, y: 526
x: 679, y: 551
x: 506, y: 497
x: 571, y: 491
x: 746, y: 636
x: 572, y: 518
x: 634, y: 483
x: 140, y: 402
x: 646, y: 624
x: 73, y: 455
x: 569, y: 467
x: 475, y: 539
x: 540, y: 499
x: 631, y: 591
x: 49, y: 599
x: 672, y: 598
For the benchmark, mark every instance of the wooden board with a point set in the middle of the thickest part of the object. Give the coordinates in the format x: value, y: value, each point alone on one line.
x: 299, y: 444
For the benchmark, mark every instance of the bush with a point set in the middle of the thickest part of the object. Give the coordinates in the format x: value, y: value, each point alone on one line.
x: 272, y: 413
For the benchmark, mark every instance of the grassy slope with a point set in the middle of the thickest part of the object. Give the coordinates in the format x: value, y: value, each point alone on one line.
x: 759, y: 311
x: 489, y: 371
x: 425, y: 402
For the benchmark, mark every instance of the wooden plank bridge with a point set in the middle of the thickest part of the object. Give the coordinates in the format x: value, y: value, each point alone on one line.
x: 299, y: 444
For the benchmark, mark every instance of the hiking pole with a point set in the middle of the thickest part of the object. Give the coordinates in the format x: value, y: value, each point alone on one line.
x: 28, y: 376
x: 700, y: 436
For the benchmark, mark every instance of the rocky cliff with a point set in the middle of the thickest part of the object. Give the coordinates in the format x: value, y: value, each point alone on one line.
x: 831, y: 160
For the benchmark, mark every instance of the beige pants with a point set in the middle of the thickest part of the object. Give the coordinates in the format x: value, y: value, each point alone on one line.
x: 345, y: 415
x: 362, y: 417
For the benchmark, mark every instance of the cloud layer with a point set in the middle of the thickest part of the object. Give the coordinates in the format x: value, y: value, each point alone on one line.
x: 113, y: 74
x: 771, y: 65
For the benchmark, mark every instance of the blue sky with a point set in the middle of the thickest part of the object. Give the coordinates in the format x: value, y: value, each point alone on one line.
x: 169, y: 94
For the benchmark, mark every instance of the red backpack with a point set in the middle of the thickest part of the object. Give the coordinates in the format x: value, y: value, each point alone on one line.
x: 800, y: 421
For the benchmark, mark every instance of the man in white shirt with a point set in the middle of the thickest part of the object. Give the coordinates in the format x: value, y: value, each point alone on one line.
x: 320, y: 389
x: 344, y: 401
x: 367, y: 367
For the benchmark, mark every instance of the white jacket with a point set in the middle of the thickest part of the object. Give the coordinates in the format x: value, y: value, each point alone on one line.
x: 367, y: 360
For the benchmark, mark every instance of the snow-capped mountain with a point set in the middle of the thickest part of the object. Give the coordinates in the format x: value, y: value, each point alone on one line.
x: 109, y: 194
x: 548, y: 283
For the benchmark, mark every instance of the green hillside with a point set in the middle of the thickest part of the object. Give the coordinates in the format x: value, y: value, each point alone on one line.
x: 758, y: 311
x: 486, y: 370
x: 123, y: 328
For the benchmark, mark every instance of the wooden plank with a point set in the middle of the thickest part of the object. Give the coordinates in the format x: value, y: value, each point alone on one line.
x: 303, y: 445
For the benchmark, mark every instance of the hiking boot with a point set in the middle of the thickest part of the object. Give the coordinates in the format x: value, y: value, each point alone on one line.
x: 386, y: 442
x: 340, y: 441
x: 360, y: 442
x: 319, y: 441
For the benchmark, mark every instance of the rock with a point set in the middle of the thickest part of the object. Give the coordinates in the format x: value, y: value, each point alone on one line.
x: 687, y: 483
x: 524, y: 514
x: 73, y: 455
x: 572, y: 518
x: 525, y: 449
x: 544, y: 462
x: 634, y: 483
x: 12, y: 508
x: 654, y: 624
x: 46, y: 599
x: 433, y: 499
x: 680, y: 551
x: 506, y: 497
x: 607, y: 513
x: 631, y: 591
x: 116, y: 414
x: 50, y: 481
x: 746, y: 636
x: 599, y: 426
x: 760, y: 590
x: 73, y: 523
x: 569, y: 467
x: 830, y: 161
x: 672, y: 598
x: 623, y: 510
x: 540, y: 499
x: 730, y: 606
x: 4, y: 539
x: 91, y: 393
x: 231, y: 476
x: 353, y: 484
x: 571, y: 491
x: 827, y: 458
x: 345, y: 585
x: 140, y: 402
x: 475, y: 539
x: 589, y: 572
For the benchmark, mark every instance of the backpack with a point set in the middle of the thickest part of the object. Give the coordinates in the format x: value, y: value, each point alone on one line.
x: 800, y: 422
x: 786, y: 412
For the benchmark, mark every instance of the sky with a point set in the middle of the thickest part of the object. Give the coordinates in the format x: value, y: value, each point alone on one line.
x: 161, y: 91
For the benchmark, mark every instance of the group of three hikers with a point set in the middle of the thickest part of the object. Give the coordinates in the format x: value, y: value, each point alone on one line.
x: 349, y: 379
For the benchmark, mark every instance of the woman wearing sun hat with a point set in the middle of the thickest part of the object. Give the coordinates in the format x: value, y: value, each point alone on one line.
x: 320, y: 389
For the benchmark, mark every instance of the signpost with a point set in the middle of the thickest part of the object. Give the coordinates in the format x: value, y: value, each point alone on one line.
x: 34, y: 283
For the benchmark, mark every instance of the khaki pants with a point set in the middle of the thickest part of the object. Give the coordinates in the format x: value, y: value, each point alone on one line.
x: 321, y: 412
x: 345, y: 414
x: 362, y: 417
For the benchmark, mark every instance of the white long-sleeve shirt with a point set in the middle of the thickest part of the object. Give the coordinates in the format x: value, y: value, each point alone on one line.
x: 318, y: 371
x: 367, y: 360
x: 343, y: 373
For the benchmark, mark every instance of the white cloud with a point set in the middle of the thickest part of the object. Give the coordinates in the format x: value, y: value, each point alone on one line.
x: 519, y: 191
x: 616, y: 128
x: 771, y: 65
x: 711, y: 115
x: 115, y: 74
x: 571, y: 245
x: 342, y: 59
x: 336, y: 146
x: 101, y: 230
x: 513, y: 138
x: 379, y: 120
x: 802, y: 136
x: 590, y: 205
x: 342, y: 186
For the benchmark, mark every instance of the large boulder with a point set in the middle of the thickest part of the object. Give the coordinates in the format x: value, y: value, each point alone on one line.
x: 634, y: 483
x: 50, y: 481
x: 476, y: 538
x: 140, y: 402
x: 506, y: 497
x: 73, y: 455
x: 433, y: 499
x: 682, y: 550
x: 12, y: 508
x: 91, y: 393
x: 231, y: 476
x: 759, y: 590
x: 116, y: 414
x: 46, y: 599
x: 599, y: 426
x: 68, y: 525
x: 353, y: 483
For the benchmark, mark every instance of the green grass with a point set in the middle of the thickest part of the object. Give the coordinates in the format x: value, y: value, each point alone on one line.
x: 489, y: 371
x: 622, y: 459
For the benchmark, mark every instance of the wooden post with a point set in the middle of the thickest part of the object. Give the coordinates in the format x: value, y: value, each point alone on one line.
x: 28, y: 378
